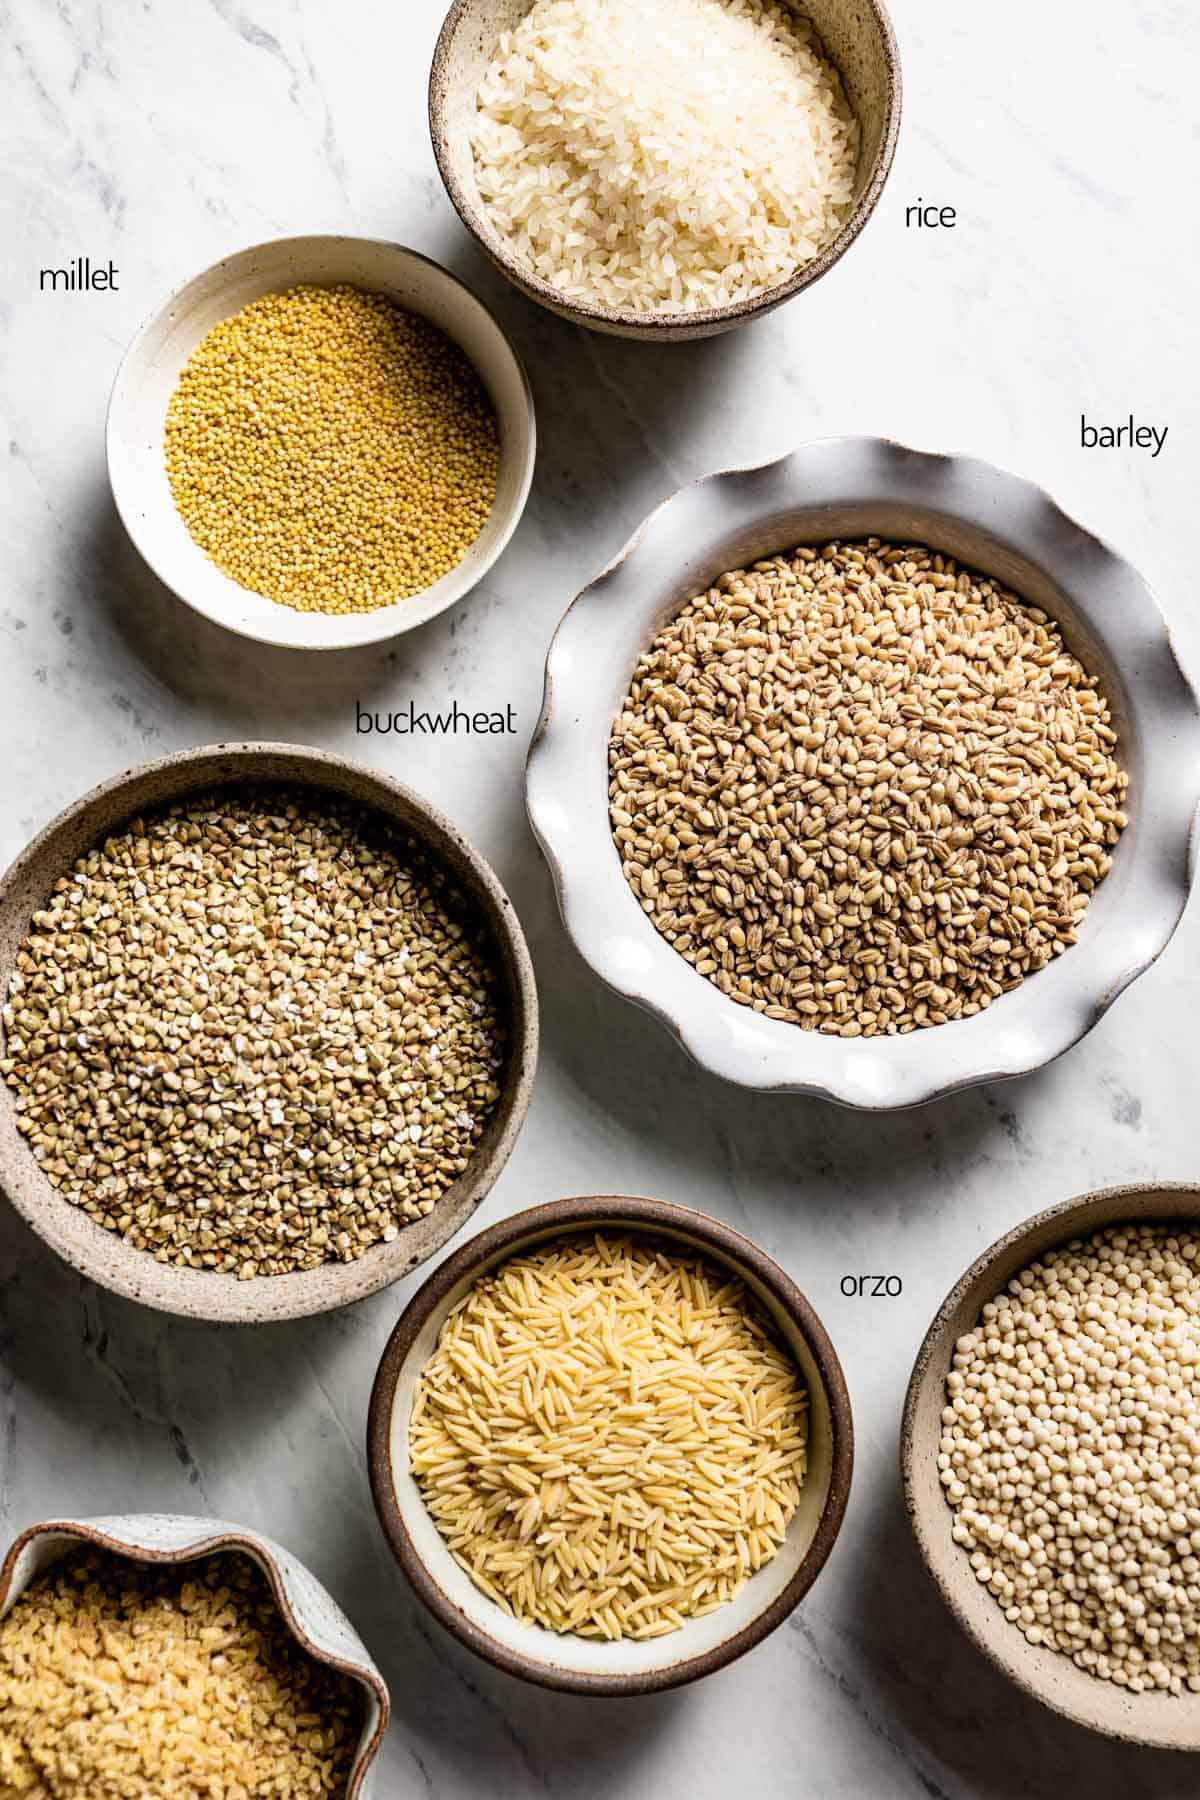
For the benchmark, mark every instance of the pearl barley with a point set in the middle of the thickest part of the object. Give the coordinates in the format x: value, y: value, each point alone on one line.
x: 1070, y: 1453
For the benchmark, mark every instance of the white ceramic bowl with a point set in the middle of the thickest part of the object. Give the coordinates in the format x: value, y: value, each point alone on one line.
x: 992, y: 521
x: 310, y: 1614
x: 561, y: 1660
x: 150, y: 370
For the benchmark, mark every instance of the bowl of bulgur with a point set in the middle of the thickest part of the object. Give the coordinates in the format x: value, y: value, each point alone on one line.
x: 869, y: 772
x: 1049, y: 1459
x: 153, y: 1657
x: 321, y: 442
x: 268, y: 1033
x: 610, y: 1444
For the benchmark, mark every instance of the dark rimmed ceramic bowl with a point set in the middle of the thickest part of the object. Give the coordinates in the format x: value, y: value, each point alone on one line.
x: 575, y: 1664
x: 860, y: 41
x: 203, y: 1294
x: 314, y: 1619
x: 1159, y: 1720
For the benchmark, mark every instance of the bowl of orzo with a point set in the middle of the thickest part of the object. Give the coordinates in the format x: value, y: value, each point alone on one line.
x: 665, y: 172
x: 869, y: 772
x: 268, y: 1033
x: 321, y: 442
x: 610, y: 1444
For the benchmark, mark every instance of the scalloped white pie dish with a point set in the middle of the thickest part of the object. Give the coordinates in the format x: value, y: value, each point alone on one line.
x: 991, y: 521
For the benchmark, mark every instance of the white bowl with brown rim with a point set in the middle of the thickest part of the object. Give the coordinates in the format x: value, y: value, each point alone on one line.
x: 858, y: 38
x: 1162, y: 1720
x: 566, y: 1661
x: 150, y: 371
x: 989, y: 521
x: 311, y: 1615
x: 201, y: 1293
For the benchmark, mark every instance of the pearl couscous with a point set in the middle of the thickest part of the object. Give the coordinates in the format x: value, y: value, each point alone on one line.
x: 330, y: 451
x: 1070, y: 1453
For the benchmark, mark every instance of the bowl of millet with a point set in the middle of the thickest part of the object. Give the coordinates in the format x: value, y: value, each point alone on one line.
x: 321, y: 442
x: 1051, y: 1459
x: 156, y: 1655
x: 268, y: 1032
x: 869, y: 772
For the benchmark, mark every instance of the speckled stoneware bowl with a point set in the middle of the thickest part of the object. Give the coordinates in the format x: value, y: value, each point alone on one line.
x: 576, y: 1664
x: 309, y: 1612
x: 202, y: 1294
x: 150, y: 370
x: 1162, y: 1720
x: 858, y: 36
x: 992, y: 521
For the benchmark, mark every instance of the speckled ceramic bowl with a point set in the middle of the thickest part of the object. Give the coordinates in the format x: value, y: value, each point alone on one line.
x: 992, y: 521
x: 150, y: 370
x: 859, y: 39
x: 311, y: 1615
x: 576, y: 1664
x: 202, y: 1294
x: 1162, y: 1720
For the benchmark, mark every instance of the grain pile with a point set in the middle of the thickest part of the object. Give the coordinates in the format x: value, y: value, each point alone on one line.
x: 664, y: 163
x: 120, y: 1681
x: 609, y: 1437
x: 864, y: 790
x: 254, y: 1033
x: 330, y: 451
x: 1070, y: 1453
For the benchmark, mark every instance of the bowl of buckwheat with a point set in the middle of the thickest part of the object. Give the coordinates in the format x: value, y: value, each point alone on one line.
x: 321, y: 442
x: 1050, y: 1464
x: 869, y: 772
x: 268, y: 1033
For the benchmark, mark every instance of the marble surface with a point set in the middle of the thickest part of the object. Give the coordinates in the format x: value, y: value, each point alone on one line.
x: 163, y: 136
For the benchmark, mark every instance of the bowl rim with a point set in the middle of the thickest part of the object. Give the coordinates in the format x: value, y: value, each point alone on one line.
x: 664, y: 324
x: 252, y: 762
x: 1010, y: 511
x: 1077, y: 1219
x: 651, y: 1217
x: 370, y: 627
x: 214, y: 1537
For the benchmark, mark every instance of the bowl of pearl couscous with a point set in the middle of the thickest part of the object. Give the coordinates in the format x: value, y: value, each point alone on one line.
x: 1051, y: 1460
x: 321, y: 442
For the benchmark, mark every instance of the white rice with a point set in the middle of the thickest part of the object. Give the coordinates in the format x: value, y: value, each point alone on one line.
x: 664, y: 157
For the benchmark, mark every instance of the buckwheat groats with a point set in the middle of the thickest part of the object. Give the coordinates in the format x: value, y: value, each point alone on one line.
x: 255, y: 1032
x: 124, y: 1681
x: 1070, y: 1453
x: 862, y: 789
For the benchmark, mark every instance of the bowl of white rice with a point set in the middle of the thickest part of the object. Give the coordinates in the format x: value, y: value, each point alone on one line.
x: 671, y: 171
x: 610, y: 1445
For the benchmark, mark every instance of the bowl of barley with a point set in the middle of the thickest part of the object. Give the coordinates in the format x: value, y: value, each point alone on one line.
x: 869, y: 772
x: 143, y: 1652
x: 268, y: 1034
x: 1048, y: 1454
x: 321, y: 442
x: 610, y: 1445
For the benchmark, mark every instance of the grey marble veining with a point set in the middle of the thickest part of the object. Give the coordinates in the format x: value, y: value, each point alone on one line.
x: 164, y: 136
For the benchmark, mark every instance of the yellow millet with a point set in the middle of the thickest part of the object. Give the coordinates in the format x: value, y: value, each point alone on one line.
x: 330, y: 451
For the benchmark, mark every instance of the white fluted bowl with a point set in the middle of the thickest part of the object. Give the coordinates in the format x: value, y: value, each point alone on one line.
x: 312, y: 1616
x: 989, y: 520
